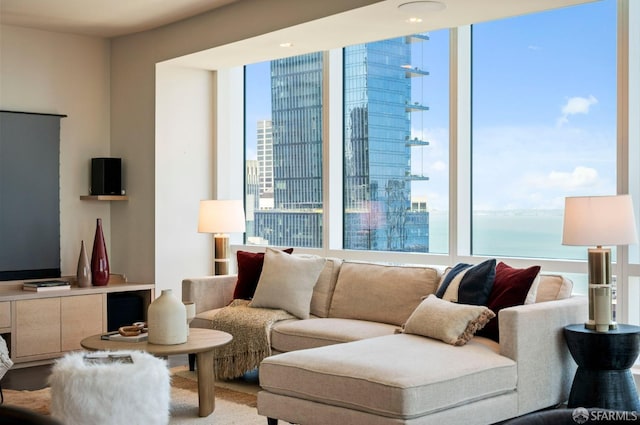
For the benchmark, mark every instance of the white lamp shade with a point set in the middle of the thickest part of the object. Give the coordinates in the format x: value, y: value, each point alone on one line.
x: 221, y: 216
x: 599, y: 220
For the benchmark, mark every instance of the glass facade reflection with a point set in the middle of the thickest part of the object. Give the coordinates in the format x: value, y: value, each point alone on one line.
x: 296, y: 137
x: 378, y: 210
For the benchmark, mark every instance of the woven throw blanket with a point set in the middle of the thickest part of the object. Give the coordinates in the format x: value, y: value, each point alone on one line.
x: 251, y: 330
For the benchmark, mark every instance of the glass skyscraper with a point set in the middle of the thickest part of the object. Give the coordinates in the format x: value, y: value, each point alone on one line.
x: 378, y: 212
x: 296, y: 105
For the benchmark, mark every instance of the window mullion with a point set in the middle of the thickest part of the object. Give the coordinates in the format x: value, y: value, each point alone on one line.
x: 460, y: 144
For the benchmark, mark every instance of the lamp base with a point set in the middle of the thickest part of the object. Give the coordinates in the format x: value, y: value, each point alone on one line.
x: 600, y: 300
x: 221, y: 254
x: 600, y: 290
x: 592, y: 326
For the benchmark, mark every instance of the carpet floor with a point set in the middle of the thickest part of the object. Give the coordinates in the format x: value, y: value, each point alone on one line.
x: 235, y: 401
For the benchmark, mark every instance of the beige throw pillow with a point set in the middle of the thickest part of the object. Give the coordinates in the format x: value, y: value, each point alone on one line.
x: 287, y: 282
x: 449, y: 322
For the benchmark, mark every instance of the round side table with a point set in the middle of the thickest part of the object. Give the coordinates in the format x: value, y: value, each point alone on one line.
x: 603, y: 378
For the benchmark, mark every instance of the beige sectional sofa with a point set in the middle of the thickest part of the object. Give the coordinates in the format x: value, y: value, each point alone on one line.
x: 347, y: 363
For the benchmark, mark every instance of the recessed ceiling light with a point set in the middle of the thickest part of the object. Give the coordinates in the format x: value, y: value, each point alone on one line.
x: 286, y: 44
x: 418, y: 8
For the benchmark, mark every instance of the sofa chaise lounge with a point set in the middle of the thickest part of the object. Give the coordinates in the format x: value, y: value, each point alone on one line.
x: 350, y: 363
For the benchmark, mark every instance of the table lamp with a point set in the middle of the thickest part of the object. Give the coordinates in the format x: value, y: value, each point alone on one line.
x: 221, y: 217
x: 599, y: 221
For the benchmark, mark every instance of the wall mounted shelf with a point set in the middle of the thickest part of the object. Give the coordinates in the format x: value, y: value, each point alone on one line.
x: 104, y: 198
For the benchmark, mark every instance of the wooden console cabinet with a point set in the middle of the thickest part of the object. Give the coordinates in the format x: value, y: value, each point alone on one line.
x: 45, y: 325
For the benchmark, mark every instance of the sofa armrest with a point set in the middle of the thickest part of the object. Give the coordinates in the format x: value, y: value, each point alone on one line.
x: 532, y: 335
x: 209, y: 292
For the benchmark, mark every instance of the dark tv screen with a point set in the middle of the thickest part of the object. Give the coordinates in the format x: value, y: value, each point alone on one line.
x: 29, y: 195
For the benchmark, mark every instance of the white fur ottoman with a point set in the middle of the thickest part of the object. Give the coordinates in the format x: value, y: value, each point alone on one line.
x: 110, y: 393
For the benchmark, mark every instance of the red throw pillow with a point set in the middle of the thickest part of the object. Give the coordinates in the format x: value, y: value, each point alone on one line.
x: 249, y: 270
x: 510, y: 288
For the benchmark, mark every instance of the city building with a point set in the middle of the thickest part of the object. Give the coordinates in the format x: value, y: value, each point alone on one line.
x: 378, y: 213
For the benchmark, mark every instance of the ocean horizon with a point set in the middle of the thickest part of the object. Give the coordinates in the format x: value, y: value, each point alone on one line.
x: 512, y: 233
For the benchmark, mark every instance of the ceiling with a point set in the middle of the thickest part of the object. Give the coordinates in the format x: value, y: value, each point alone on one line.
x: 379, y: 20
x: 120, y: 17
x: 101, y: 18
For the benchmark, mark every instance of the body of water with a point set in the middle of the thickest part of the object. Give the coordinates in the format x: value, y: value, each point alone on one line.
x: 509, y: 234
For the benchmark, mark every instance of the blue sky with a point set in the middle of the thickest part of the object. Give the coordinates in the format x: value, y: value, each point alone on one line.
x: 544, y: 109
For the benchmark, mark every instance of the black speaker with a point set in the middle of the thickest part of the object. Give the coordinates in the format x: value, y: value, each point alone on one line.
x: 106, y: 176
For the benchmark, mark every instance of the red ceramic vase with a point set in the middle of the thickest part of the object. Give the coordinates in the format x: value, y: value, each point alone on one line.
x: 99, y: 258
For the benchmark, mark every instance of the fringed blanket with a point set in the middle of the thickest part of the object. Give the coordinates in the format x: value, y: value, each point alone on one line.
x: 251, y: 330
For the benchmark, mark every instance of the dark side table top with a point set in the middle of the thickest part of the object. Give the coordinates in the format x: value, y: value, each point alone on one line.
x: 614, y: 349
x: 622, y: 329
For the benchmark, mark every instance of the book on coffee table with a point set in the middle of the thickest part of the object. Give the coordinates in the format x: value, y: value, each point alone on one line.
x: 115, y: 336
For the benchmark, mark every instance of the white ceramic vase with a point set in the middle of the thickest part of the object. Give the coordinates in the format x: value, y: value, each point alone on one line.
x: 167, y: 320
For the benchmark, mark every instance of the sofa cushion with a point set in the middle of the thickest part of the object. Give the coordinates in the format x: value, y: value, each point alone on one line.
x: 323, y: 290
x: 287, y: 282
x: 449, y: 322
x: 249, y: 269
x: 381, y: 293
x: 397, y: 376
x: 553, y: 287
x: 510, y: 288
x: 468, y: 284
x: 291, y: 335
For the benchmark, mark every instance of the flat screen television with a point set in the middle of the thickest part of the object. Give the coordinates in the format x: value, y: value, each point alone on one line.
x: 29, y: 195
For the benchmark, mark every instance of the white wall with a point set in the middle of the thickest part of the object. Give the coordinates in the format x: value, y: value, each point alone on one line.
x: 64, y: 74
x: 184, y: 175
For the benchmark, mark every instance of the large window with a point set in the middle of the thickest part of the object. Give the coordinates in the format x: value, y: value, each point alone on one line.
x: 544, y: 126
x: 396, y: 144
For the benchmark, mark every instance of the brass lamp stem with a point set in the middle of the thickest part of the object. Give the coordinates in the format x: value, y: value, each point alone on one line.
x: 600, y: 299
x: 221, y: 253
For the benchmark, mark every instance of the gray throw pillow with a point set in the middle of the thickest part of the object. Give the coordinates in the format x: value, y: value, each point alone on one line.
x: 287, y: 282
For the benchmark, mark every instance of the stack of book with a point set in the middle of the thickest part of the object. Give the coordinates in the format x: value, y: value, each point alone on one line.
x: 47, y: 285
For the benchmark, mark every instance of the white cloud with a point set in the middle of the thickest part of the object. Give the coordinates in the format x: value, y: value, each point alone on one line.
x: 438, y: 166
x: 576, y: 105
x: 580, y: 177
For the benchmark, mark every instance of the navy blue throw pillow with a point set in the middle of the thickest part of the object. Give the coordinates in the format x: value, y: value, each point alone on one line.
x: 468, y: 284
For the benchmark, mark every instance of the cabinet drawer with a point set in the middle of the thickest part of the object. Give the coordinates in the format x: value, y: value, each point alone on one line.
x: 81, y: 317
x: 37, y: 327
x: 5, y: 314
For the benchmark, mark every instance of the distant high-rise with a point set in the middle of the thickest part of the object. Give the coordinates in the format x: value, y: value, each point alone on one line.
x: 265, y: 156
x: 296, y: 105
x: 252, y: 193
x: 377, y: 145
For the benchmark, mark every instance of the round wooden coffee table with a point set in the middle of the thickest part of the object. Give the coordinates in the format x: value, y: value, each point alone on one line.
x: 200, y: 341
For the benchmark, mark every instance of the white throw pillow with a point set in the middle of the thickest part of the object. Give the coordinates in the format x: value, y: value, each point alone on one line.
x: 447, y: 321
x: 287, y: 282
